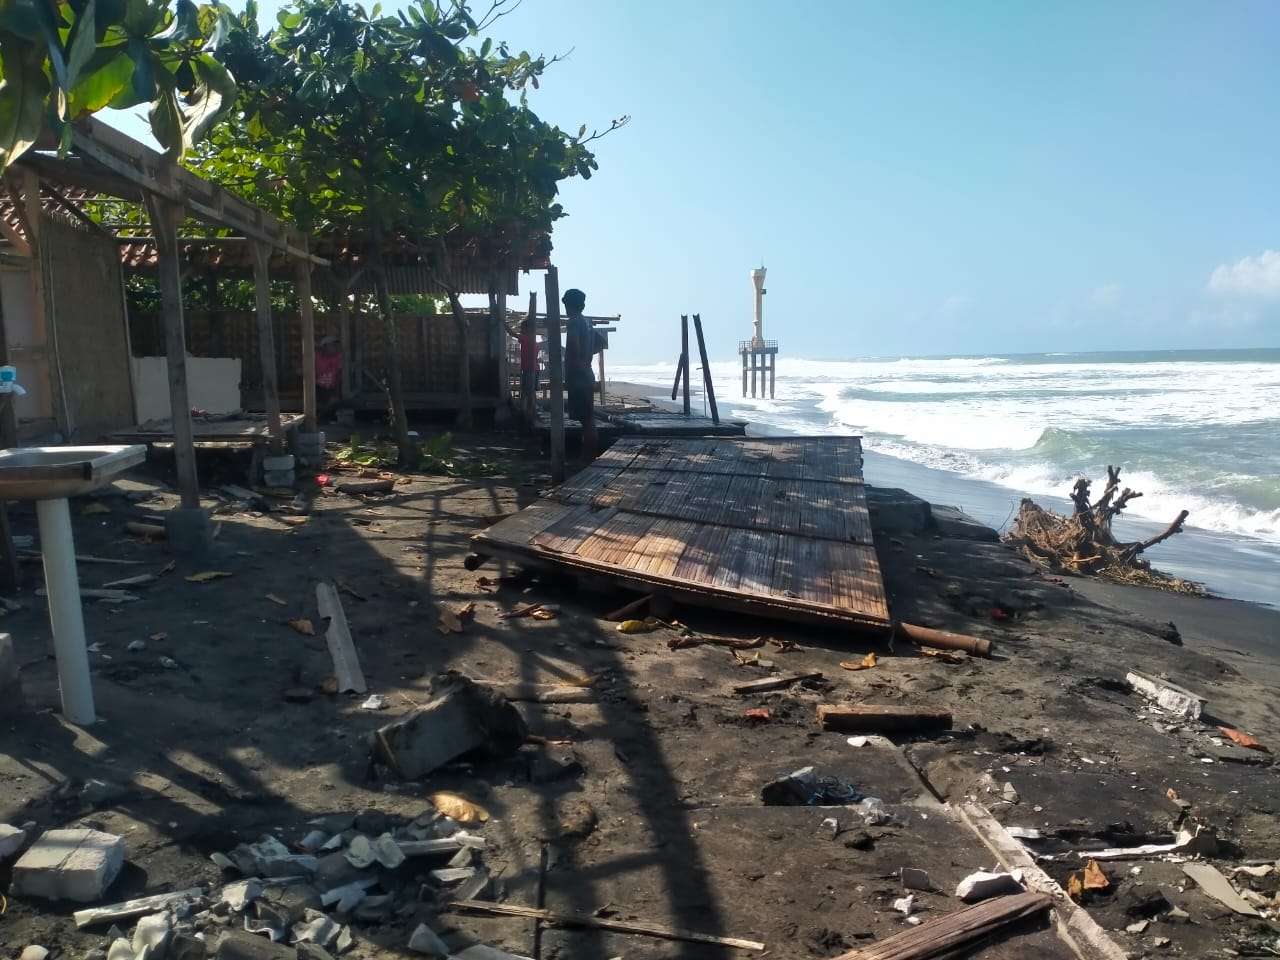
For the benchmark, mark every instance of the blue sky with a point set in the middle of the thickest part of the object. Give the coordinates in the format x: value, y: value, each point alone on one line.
x: 923, y: 177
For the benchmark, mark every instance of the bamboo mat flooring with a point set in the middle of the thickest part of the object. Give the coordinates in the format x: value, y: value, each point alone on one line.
x: 770, y: 525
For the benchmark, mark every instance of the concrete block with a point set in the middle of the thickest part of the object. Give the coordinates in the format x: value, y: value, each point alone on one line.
x: 462, y: 718
x: 954, y: 523
x: 73, y: 864
x: 10, y: 678
x: 983, y: 886
x: 189, y: 531
x: 896, y: 511
x: 1168, y: 696
x: 12, y: 840
x: 277, y: 478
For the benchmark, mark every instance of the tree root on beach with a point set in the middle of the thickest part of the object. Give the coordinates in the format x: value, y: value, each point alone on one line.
x: 1084, y: 544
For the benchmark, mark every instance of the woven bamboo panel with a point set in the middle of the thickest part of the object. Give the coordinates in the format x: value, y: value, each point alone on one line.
x: 779, y: 524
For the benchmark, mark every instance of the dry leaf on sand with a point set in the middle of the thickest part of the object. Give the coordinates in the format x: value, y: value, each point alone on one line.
x: 457, y: 807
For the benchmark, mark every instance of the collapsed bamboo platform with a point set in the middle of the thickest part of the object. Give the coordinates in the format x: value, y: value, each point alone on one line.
x: 670, y: 423
x: 775, y: 526
x: 250, y: 428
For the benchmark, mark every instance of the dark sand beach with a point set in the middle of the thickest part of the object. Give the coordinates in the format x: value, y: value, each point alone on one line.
x: 650, y: 809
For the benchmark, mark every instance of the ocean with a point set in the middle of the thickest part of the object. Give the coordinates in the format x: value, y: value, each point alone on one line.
x: 1195, y: 430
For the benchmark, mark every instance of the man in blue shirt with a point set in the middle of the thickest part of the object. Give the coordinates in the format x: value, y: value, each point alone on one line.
x: 579, y: 379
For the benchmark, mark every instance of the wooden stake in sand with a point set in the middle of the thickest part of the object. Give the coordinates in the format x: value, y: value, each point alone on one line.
x: 346, y: 662
x: 935, y: 938
x: 597, y: 923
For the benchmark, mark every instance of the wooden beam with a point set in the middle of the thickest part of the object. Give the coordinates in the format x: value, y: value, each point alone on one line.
x: 267, y: 346
x: 165, y: 217
x: 881, y: 717
x: 684, y: 357
x: 307, y: 315
x: 555, y: 370
x: 706, y: 369
x: 947, y: 934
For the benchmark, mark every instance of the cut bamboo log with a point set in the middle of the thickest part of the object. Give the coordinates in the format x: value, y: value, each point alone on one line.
x: 948, y: 933
x: 598, y: 923
x: 944, y: 640
x: 153, y: 531
x: 377, y: 485
x: 881, y: 718
x: 346, y: 662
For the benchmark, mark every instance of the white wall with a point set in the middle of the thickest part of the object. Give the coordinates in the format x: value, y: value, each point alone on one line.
x: 213, y: 385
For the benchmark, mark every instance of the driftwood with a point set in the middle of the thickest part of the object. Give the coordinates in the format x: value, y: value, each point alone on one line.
x: 1084, y: 544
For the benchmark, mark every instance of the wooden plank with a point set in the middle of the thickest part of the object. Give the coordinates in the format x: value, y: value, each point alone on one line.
x: 597, y: 923
x: 346, y: 661
x: 267, y: 347
x: 881, y: 717
x: 774, y: 683
x: 947, y: 934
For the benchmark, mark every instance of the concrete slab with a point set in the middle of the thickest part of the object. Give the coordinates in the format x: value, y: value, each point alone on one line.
x: 73, y: 864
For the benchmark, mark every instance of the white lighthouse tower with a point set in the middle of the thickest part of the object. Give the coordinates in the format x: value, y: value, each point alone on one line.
x: 759, y: 356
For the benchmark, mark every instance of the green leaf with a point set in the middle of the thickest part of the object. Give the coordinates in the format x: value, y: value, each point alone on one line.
x: 53, y: 37
x: 22, y: 98
x: 144, y: 75
x: 81, y: 43
x: 106, y: 76
x: 166, y: 123
x: 289, y: 19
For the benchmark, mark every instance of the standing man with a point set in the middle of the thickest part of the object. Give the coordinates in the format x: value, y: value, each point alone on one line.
x: 328, y: 379
x: 579, y: 379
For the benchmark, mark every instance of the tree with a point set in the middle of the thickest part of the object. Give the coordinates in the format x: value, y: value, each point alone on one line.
x: 61, y: 60
x: 393, y: 128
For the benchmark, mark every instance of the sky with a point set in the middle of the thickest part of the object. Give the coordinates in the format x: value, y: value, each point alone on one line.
x: 919, y: 178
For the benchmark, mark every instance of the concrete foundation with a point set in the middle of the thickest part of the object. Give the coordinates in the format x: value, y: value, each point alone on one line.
x: 189, y: 531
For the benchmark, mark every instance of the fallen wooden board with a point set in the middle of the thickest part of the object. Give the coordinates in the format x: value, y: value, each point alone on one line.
x: 346, y: 661
x: 598, y: 923
x: 774, y: 683
x: 947, y: 933
x: 133, y: 908
x: 881, y: 717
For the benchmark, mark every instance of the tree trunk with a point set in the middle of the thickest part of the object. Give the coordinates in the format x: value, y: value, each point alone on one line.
x: 393, y: 385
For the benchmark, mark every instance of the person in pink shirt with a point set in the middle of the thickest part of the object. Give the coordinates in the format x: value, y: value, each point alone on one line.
x: 328, y: 378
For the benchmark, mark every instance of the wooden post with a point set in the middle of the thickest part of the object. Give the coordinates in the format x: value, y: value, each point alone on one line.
x: 744, y: 373
x: 684, y: 357
x: 600, y: 357
x: 773, y: 370
x: 267, y: 346
x: 555, y: 370
x: 755, y: 369
x: 307, y: 315
x: 165, y: 217
x: 706, y: 369
x: 675, y: 387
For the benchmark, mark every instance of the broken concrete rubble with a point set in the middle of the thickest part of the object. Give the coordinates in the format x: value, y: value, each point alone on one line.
x: 1169, y: 696
x: 463, y: 717
x: 12, y: 840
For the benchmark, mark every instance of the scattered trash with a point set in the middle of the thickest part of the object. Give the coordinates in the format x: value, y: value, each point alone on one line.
x: 858, y: 741
x: 1243, y: 739
x: 1214, y: 884
x: 136, y: 645
x: 457, y: 807
x: 303, y: 626
x: 639, y: 626
x: 905, y: 905
x: 348, y: 677
x: 983, y: 886
x: 804, y: 787
x: 830, y: 825
x: 1199, y: 840
x: 774, y: 683
x: 758, y: 713
x: 207, y: 575
x: 946, y: 656
x: 1138, y: 927
x: 169, y: 663
x: 159, y: 637
x: 866, y: 663
x: 375, y: 701
x: 455, y: 621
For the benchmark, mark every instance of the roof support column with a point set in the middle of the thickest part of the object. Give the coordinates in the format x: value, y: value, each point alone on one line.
x: 165, y: 217
x: 307, y: 316
x: 267, y: 347
x: 555, y: 370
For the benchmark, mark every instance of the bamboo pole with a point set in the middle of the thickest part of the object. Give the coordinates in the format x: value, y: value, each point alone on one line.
x: 555, y: 371
x: 267, y: 346
x: 307, y: 315
x: 684, y: 358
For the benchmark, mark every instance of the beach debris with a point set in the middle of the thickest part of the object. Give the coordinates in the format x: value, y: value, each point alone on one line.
x: 905, y: 905
x: 348, y: 676
x: 804, y: 787
x: 944, y: 639
x: 758, y: 713
x: 881, y: 718
x: 945, y: 656
x: 983, y: 885
x: 858, y: 741
x: 648, y: 625
x: 128, y: 909
x: 594, y: 922
x: 526, y: 610
x: 425, y: 940
x: 775, y: 683
x: 375, y: 701
x: 570, y: 691
x: 1240, y: 738
x: 303, y: 626
x: 33, y: 951
x: 455, y: 621
x: 1168, y: 696
x: 206, y: 576
x: 1197, y: 839
x: 866, y: 663
x: 463, y: 716
x: 1210, y: 879
x: 947, y: 935
x: 1083, y: 543
x: 459, y: 808
x: 913, y: 878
